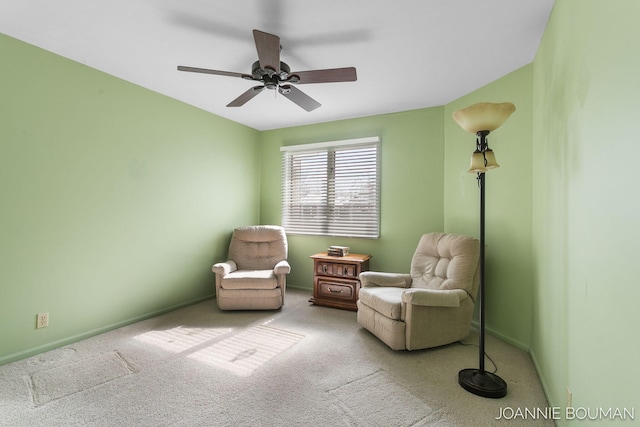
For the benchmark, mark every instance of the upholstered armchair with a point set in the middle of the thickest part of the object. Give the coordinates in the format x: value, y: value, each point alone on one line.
x: 433, y: 304
x: 254, y: 275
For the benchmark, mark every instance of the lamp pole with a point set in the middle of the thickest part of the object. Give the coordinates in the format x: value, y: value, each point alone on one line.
x: 482, y: 183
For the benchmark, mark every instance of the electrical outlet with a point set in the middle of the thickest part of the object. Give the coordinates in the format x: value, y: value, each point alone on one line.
x: 42, y: 320
x: 569, y: 398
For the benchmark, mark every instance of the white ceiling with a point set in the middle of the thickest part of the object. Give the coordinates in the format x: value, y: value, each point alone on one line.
x: 408, y: 53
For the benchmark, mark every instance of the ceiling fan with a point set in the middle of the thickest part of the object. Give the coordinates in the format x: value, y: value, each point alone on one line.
x: 276, y: 75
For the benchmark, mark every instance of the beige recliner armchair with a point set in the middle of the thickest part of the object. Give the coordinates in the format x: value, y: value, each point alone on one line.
x: 431, y: 306
x: 254, y: 276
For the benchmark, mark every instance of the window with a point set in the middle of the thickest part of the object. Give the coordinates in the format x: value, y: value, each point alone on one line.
x: 332, y: 188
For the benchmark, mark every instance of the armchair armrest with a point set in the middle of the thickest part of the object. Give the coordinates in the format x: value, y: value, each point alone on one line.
x: 224, y: 268
x: 434, y: 297
x: 377, y: 278
x: 282, y: 267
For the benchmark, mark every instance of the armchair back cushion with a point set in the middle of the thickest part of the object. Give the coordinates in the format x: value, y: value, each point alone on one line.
x: 446, y: 261
x: 258, y: 247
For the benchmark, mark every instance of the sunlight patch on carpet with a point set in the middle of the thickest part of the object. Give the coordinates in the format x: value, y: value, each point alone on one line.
x: 180, y: 339
x: 55, y: 383
x: 378, y: 400
x: 245, y: 352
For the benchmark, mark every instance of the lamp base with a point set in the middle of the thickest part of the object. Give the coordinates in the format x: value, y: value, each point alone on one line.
x: 483, y: 384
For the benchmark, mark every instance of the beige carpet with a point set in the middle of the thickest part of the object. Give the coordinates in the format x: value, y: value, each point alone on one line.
x: 56, y: 383
x: 302, y: 365
x: 374, y: 399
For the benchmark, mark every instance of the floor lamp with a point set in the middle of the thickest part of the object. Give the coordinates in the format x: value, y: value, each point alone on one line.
x: 480, y: 119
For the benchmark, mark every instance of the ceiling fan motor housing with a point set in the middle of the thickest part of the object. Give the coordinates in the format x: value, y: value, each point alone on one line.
x: 270, y: 78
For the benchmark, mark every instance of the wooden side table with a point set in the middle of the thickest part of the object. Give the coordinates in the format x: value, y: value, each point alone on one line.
x: 335, y: 279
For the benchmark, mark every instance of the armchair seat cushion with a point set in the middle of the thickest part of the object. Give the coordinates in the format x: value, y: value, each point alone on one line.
x: 386, y: 301
x: 250, y: 279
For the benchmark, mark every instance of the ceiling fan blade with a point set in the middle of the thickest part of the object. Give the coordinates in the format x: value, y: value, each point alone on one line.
x: 298, y: 97
x: 331, y: 75
x: 246, y: 96
x: 216, y: 72
x: 268, y: 47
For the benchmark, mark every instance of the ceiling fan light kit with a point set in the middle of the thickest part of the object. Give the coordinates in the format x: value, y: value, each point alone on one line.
x: 276, y: 75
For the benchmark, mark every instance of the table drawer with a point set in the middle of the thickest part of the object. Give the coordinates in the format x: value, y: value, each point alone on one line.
x: 345, y: 270
x: 325, y: 268
x: 337, y: 290
x: 336, y: 269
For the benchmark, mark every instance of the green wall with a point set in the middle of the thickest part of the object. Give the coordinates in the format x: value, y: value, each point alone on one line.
x: 115, y: 200
x: 508, y: 277
x: 586, y: 207
x: 411, y: 189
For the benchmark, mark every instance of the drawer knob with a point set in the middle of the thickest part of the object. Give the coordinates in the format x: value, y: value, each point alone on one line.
x: 335, y: 291
x: 324, y: 268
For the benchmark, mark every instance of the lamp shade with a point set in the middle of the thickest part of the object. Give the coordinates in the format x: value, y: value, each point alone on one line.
x: 477, y: 163
x: 490, y: 157
x: 486, y: 116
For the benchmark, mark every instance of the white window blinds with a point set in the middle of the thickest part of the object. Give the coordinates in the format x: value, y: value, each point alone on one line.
x: 332, y: 188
